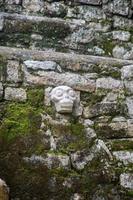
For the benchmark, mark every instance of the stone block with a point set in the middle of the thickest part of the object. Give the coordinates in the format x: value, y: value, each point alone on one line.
x: 91, y: 2
x: 17, y: 94
x: 84, y: 82
x: 108, y: 83
x: 33, y: 5
x: 121, y: 7
x: 13, y: 2
x: 126, y: 180
x: 129, y: 103
x: 121, y: 35
x: 124, y: 156
x: 1, y: 23
x: 42, y: 65
x: 50, y: 160
x: 127, y: 72
x: 13, y: 74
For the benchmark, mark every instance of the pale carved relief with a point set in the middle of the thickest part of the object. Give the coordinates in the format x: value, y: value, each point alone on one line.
x: 64, y: 98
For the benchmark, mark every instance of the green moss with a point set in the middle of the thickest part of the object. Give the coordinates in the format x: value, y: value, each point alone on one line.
x: 130, y: 193
x: 122, y: 145
x: 92, y: 99
x: 36, y: 97
x: 19, y: 120
x: 105, y: 22
x: 15, y: 39
x: 77, y: 129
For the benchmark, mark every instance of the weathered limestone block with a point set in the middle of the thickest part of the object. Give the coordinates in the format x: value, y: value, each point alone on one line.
x: 121, y: 35
x: 36, y: 37
x: 127, y: 72
x: 79, y: 82
x: 88, y: 123
x: 125, y: 156
x: 119, y: 124
x: 129, y: 54
x: 128, y: 86
x: 111, y: 97
x: 130, y: 127
x: 96, y: 51
x: 42, y: 65
x: 108, y: 83
x: 121, y: 7
x: 126, y: 180
x: 18, y: 94
x: 82, y: 36
x: 122, y: 22
x: 91, y: 2
x: 4, y: 190
x: 33, y: 5
x: 13, y: 2
x: 55, y: 9
x: 1, y: 23
x: 129, y: 103
x: 97, y: 26
x: 100, y: 109
x: 86, y: 12
x: 119, y: 52
x: 51, y: 161
x: 13, y: 74
x: 90, y: 133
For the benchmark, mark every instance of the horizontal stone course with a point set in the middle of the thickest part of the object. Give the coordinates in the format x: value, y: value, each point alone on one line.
x: 78, y: 82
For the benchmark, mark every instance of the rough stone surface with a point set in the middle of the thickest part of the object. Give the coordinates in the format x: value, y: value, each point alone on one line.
x: 91, y: 2
x: 121, y: 35
x: 1, y: 23
x: 108, y: 83
x: 125, y: 156
x: 127, y: 72
x: 13, y: 2
x: 13, y: 74
x: 86, y: 45
x: 76, y: 81
x: 126, y: 180
x: 33, y: 5
x: 18, y: 94
x: 129, y: 103
x: 51, y: 161
x: 45, y: 65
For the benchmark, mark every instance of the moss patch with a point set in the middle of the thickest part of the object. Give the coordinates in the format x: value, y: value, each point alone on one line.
x: 36, y: 97
x: 19, y: 119
x: 122, y: 145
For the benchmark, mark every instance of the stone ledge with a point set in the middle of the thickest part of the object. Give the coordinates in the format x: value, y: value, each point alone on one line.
x: 26, y: 54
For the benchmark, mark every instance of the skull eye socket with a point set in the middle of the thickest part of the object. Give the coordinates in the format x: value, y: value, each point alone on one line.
x: 72, y: 93
x: 59, y: 93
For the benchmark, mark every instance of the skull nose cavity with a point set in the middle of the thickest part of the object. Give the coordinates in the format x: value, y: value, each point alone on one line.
x: 66, y: 96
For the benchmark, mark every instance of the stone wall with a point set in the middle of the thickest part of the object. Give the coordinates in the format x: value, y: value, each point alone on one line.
x: 84, y: 44
x: 82, y: 26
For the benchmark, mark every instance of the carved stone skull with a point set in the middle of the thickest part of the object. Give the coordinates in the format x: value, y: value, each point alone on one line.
x: 63, y: 98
